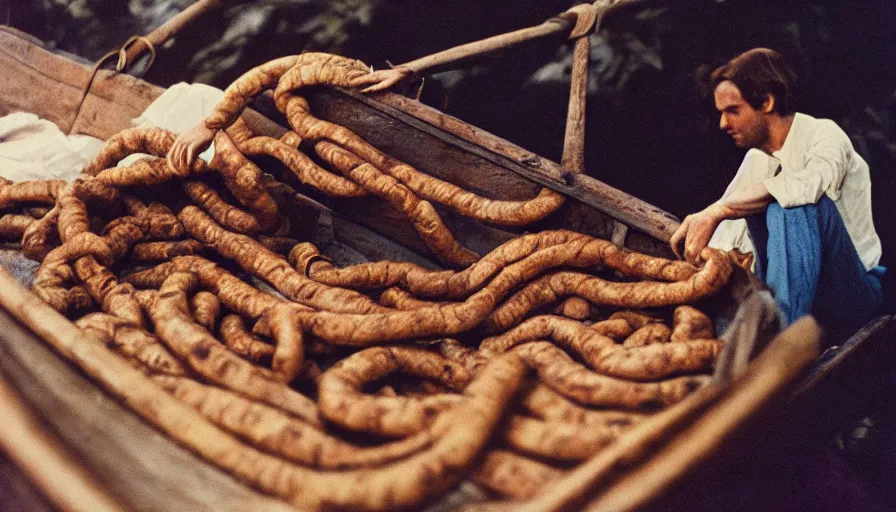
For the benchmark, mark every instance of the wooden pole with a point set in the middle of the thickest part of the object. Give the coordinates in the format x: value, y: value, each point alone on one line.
x: 573, y: 159
x: 465, y: 52
x: 571, y: 491
x: 765, y: 379
x: 576, y: 20
x: 179, y: 421
x: 169, y: 29
x: 779, y: 364
x: 40, y: 456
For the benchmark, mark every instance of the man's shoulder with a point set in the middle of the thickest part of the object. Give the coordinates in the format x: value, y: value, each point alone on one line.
x: 819, y: 129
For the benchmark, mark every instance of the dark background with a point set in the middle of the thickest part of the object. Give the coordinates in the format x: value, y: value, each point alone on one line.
x: 650, y: 132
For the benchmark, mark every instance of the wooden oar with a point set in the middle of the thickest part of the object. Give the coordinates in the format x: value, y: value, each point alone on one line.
x: 457, y: 55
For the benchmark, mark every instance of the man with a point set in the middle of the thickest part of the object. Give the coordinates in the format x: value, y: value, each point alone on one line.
x: 805, y: 195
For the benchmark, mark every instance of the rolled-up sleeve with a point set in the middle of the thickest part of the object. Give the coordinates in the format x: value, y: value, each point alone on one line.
x: 823, y: 173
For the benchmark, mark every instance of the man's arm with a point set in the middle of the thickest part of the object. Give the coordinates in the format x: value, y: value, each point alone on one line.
x: 743, y: 203
x: 823, y: 172
x: 696, y: 230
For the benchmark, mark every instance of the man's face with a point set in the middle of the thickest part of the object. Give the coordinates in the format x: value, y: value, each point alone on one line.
x: 746, y: 125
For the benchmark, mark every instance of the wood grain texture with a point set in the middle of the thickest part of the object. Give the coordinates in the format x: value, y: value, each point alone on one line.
x: 762, y: 386
x: 137, y: 465
x: 602, y: 197
x: 17, y: 492
x: 50, y: 86
x: 39, y: 81
x: 46, y: 461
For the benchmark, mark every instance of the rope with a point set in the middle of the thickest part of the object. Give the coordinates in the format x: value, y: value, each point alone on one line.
x: 123, y: 54
x: 585, y: 16
x: 86, y: 90
x: 120, y: 66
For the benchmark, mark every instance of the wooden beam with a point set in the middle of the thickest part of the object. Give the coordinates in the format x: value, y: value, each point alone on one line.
x: 449, y: 148
x: 710, y: 415
x: 621, y: 206
x: 122, y: 450
x: 874, y: 340
x: 39, y: 81
x: 36, y: 80
x: 45, y: 460
x: 757, y: 390
x: 170, y: 28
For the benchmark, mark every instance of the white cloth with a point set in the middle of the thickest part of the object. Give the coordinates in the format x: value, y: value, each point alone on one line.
x: 35, y: 149
x: 181, y: 107
x: 817, y: 158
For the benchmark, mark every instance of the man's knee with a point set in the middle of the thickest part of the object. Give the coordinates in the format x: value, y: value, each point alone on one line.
x: 776, y: 211
x: 781, y: 220
x: 824, y: 206
x: 823, y: 214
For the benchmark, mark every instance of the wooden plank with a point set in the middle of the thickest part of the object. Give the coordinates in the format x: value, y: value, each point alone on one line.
x: 38, y: 81
x: 450, y: 149
x: 434, y: 155
x: 871, y: 347
x: 374, y: 247
x: 114, y: 99
x: 760, y: 388
x: 17, y: 492
x: 444, y: 156
x: 372, y: 213
x: 139, y: 466
x: 838, y: 388
x: 642, y: 242
x: 496, y: 145
x: 25, y: 89
x: 46, y: 461
x: 609, y: 200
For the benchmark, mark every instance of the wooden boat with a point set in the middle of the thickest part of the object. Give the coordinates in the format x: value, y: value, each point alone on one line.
x: 105, y: 438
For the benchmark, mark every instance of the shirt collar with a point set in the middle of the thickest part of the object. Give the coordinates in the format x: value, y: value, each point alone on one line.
x: 792, y: 135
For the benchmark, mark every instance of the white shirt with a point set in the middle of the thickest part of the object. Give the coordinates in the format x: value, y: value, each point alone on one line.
x: 817, y: 158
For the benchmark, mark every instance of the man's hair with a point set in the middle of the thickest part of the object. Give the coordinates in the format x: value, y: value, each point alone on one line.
x: 756, y: 73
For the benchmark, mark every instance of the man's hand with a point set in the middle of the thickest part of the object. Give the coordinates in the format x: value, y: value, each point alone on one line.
x: 187, y: 147
x: 693, y: 235
x: 383, y: 79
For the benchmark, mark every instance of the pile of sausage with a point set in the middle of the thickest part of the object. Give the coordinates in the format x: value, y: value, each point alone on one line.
x: 375, y: 386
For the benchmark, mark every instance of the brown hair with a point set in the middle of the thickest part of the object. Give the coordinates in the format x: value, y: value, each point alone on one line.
x: 759, y: 72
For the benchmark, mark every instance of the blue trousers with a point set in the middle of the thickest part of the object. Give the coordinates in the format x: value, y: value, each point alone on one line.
x: 805, y: 255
